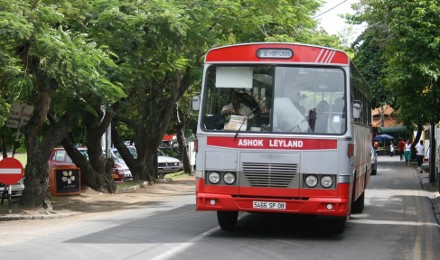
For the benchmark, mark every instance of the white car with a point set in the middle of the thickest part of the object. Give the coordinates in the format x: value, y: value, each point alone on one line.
x: 165, y: 163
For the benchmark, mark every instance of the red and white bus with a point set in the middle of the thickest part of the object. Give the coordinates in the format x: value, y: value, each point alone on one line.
x: 282, y: 128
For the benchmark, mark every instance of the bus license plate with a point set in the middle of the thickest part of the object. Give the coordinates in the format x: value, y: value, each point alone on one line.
x: 269, y: 205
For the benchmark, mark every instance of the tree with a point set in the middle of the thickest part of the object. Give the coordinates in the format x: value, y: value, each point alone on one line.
x: 137, y: 59
x: 63, y: 71
x: 161, y: 48
x: 406, y: 37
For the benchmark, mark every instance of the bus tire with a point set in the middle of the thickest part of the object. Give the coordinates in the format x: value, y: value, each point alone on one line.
x: 358, y: 205
x: 338, y: 225
x: 227, y: 219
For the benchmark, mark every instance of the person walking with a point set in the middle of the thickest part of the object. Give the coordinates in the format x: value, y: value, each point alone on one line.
x: 420, y: 149
x: 407, y: 152
x: 401, y: 147
x: 391, y: 149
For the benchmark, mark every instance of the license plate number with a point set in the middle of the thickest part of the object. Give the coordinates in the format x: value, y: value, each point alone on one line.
x: 269, y: 205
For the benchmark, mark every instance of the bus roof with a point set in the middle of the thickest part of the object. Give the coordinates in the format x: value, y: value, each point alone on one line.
x: 277, y: 52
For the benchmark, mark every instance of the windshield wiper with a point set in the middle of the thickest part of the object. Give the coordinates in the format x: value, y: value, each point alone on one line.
x: 244, y: 120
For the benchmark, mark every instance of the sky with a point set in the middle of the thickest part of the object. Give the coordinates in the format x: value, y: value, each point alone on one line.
x: 331, y: 22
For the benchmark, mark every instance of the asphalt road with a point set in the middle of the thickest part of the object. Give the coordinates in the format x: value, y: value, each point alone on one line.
x: 398, y: 223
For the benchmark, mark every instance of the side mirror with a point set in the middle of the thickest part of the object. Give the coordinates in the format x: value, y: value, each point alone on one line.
x: 195, y: 103
x: 357, y: 109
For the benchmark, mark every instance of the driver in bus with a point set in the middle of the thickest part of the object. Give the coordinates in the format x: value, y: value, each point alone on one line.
x: 287, y: 116
x: 238, y: 106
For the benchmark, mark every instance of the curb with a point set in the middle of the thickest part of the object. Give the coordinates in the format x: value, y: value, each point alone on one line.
x: 55, y: 215
x: 8, y: 217
x: 424, y: 180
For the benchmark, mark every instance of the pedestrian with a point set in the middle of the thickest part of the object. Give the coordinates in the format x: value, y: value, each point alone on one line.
x: 420, y: 149
x: 401, y: 146
x: 391, y: 149
x: 376, y: 145
x: 407, y: 152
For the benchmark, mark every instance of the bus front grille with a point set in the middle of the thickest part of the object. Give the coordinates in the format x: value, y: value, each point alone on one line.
x: 277, y: 175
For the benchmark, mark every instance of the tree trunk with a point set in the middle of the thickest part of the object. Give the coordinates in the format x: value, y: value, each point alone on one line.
x: 182, y: 147
x: 36, y: 192
x: 416, y: 141
x: 89, y: 176
x: 432, y: 154
x: 100, y: 178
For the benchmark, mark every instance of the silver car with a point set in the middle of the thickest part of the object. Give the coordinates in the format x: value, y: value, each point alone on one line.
x: 373, y: 161
x: 165, y: 163
x: 17, y: 189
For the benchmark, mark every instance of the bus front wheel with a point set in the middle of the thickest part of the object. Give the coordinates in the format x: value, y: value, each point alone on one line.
x: 338, y: 226
x: 227, y: 219
x: 358, y: 205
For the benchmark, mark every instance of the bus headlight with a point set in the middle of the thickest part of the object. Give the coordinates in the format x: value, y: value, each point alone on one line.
x: 311, y: 181
x: 326, y: 181
x: 214, y: 177
x: 229, y: 178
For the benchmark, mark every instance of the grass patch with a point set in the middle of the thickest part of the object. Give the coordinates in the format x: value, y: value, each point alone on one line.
x: 176, y: 175
x: 128, y: 184
x: 22, y: 157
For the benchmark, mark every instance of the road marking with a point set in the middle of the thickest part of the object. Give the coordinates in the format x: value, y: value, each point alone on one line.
x: 175, y: 250
x: 392, y: 222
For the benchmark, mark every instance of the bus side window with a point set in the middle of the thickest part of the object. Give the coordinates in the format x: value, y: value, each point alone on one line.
x: 338, y: 116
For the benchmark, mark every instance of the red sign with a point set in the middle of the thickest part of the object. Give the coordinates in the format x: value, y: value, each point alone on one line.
x: 272, y: 143
x: 11, y: 171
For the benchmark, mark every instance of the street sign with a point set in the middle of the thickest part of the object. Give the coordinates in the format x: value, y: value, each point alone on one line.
x: 11, y: 171
x: 19, y: 115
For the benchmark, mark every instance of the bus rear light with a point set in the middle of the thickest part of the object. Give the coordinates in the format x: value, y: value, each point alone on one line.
x: 212, y: 202
x: 196, y: 145
x: 329, y: 206
x: 350, y: 150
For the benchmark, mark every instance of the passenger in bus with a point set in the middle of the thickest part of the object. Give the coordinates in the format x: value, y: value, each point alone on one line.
x: 322, y: 115
x: 338, y: 106
x: 287, y: 116
x: 240, y: 104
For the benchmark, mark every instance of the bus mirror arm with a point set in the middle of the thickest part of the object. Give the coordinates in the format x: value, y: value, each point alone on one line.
x: 244, y: 120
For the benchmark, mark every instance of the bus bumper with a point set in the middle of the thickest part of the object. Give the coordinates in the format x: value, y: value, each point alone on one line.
x: 310, y: 206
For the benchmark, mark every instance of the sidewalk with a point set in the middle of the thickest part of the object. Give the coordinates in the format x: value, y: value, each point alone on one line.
x: 431, y: 188
x: 91, y: 201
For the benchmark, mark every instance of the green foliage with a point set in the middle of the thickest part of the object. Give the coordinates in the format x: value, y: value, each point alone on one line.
x: 402, y: 41
x: 138, y: 59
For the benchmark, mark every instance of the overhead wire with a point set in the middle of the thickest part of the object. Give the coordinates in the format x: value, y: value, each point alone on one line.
x: 318, y: 15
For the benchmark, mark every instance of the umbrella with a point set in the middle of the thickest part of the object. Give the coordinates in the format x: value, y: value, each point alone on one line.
x: 383, y: 137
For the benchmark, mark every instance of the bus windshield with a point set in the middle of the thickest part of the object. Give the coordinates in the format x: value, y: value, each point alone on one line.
x: 283, y: 99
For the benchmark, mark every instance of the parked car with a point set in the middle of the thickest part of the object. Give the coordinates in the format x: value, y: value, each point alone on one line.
x: 17, y: 189
x: 373, y: 161
x: 59, y: 156
x: 165, y: 163
x: 123, y: 168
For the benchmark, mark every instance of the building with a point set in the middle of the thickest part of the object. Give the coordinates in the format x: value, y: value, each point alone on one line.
x: 385, y: 121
